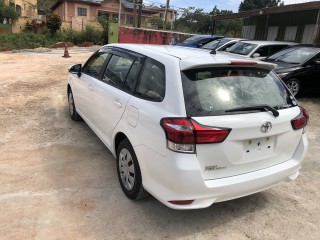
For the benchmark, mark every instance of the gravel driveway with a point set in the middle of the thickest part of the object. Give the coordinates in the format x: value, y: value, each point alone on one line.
x: 58, y: 181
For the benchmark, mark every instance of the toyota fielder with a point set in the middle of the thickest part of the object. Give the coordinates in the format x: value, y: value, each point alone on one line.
x: 189, y: 127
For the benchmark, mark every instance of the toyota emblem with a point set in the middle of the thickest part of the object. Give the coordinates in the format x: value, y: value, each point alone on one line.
x: 266, y: 127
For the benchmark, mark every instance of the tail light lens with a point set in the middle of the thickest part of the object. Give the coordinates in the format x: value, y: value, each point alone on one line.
x: 181, y: 202
x: 183, y: 134
x: 301, y: 120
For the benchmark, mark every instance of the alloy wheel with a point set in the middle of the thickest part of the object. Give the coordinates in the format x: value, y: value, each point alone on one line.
x: 294, y: 87
x: 126, y: 169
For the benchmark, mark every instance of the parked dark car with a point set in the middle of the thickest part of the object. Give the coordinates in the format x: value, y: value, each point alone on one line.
x: 198, y: 40
x: 298, y: 67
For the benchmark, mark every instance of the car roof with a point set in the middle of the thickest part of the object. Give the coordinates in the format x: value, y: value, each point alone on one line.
x: 268, y: 42
x: 189, y: 57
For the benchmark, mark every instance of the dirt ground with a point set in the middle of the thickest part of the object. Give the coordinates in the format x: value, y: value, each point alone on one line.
x: 58, y: 180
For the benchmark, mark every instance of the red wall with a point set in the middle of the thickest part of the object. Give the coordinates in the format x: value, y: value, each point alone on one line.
x: 135, y: 35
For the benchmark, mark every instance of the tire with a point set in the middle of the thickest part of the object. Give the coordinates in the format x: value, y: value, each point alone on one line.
x: 129, y: 173
x: 72, y: 108
x: 294, y: 86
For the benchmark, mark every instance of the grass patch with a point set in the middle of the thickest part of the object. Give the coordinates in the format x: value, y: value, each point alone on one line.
x: 28, y: 40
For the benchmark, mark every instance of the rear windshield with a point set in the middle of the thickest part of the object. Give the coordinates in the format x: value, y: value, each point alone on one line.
x: 212, y: 91
x: 192, y: 39
x: 242, y: 48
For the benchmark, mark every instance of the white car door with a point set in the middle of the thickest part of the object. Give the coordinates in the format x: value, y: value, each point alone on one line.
x: 111, y: 95
x: 84, y: 85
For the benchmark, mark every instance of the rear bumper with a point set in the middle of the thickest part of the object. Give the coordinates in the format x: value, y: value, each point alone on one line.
x: 178, y: 177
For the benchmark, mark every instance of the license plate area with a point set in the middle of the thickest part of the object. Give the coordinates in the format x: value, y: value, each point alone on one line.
x: 255, y: 149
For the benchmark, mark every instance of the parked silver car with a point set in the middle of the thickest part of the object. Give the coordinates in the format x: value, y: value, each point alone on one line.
x: 257, y: 49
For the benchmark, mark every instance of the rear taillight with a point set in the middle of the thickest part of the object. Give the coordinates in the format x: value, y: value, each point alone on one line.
x: 181, y: 202
x: 183, y: 134
x: 301, y: 120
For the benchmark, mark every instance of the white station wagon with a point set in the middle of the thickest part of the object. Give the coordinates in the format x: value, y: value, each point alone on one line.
x: 189, y: 127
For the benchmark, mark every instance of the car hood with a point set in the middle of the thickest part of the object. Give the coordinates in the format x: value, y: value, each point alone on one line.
x: 284, y: 67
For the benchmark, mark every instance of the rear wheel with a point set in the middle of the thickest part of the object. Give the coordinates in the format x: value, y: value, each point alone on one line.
x: 129, y: 173
x: 72, y: 108
x: 294, y: 86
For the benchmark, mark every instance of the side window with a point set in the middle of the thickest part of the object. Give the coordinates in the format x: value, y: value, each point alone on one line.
x: 263, y: 51
x: 132, y: 75
x: 117, y: 70
x: 94, y: 65
x: 152, y: 81
x: 277, y: 48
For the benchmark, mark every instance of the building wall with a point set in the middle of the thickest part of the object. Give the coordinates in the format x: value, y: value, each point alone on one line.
x: 148, y: 36
x: 282, y: 20
x: 68, y: 11
x: 27, y: 10
x: 69, y: 14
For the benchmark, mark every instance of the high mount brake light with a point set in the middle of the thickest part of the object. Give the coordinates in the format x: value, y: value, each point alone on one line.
x: 301, y: 120
x: 183, y: 134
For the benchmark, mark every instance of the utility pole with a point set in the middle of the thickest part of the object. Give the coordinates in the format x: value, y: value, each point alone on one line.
x: 134, y: 13
x: 139, y: 13
x: 120, y: 8
x: 173, y: 18
x: 165, y: 15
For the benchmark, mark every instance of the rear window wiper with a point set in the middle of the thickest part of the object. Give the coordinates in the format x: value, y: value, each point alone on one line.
x: 258, y: 107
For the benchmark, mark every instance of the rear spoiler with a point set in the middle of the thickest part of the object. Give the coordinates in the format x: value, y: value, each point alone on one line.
x: 191, y: 63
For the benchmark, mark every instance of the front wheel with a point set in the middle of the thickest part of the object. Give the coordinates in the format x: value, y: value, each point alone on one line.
x: 294, y: 86
x: 72, y: 108
x: 129, y: 173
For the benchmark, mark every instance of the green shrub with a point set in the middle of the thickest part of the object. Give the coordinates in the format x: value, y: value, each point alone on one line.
x: 23, y: 40
x: 53, y: 22
x: 35, y: 40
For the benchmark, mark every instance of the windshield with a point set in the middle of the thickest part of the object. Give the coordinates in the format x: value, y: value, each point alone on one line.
x: 242, y: 48
x: 212, y: 91
x: 216, y: 43
x: 192, y: 39
x: 293, y: 55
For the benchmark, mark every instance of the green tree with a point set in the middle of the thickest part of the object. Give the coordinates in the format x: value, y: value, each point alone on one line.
x: 247, y: 5
x: 53, y: 23
x: 230, y: 27
x: 105, y: 26
x: 193, y: 20
x: 7, y: 12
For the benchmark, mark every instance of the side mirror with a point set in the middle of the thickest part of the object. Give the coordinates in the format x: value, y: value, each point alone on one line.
x: 256, y: 55
x: 75, y: 69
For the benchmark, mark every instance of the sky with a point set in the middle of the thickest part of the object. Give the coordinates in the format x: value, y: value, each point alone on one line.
x: 208, y: 5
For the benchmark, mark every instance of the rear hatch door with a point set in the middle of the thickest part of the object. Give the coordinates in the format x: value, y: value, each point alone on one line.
x: 260, y: 137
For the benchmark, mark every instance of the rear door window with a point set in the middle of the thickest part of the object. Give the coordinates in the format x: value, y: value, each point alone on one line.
x: 277, y: 48
x: 152, y: 81
x: 212, y: 91
x: 263, y: 51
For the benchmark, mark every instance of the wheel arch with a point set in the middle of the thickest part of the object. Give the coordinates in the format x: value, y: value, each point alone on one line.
x: 69, y: 88
x: 117, y: 140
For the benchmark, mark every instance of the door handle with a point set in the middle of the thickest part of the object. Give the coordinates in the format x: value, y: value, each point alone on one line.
x: 90, y: 87
x: 117, y: 103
